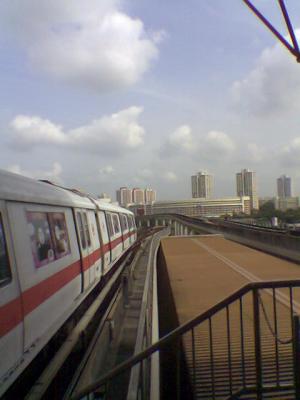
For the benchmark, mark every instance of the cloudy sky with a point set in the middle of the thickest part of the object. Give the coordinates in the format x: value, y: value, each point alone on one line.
x: 97, y: 94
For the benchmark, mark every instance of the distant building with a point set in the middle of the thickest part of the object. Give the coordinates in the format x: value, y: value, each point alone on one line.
x: 135, y: 196
x: 105, y: 197
x: 202, y: 185
x: 287, y: 203
x: 138, y: 196
x: 150, y: 196
x: 124, y: 196
x: 246, y: 186
x: 284, y: 186
x: 202, y: 207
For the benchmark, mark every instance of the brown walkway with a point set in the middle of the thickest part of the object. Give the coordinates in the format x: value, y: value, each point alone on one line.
x: 199, y: 279
x: 203, y: 270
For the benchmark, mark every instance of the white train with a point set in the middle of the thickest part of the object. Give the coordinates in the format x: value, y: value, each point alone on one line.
x: 55, y: 245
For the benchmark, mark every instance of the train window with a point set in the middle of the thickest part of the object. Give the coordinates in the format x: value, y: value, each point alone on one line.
x: 129, y: 221
x: 125, y: 222
x: 86, y: 229
x: 81, y: 230
x: 5, y: 273
x: 109, y: 225
x: 59, y: 234
x: 98, y: 228
x: 133, y: 221
x: 116, y: 223
x: 122, y: 222
x: 41, y: 242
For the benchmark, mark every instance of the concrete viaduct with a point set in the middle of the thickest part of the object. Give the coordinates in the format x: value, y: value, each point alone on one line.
x: 276, y: 242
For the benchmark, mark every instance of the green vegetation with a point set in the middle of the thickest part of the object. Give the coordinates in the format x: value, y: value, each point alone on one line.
x: 267, y: 211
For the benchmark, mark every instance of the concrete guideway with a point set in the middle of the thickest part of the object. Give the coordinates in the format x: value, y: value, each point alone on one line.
x: 273, y: 241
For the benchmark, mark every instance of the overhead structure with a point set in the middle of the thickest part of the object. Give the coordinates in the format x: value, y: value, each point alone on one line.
x: 293, y: 47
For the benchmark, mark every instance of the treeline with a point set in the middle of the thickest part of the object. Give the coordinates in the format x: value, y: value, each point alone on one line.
x: 267, y: 211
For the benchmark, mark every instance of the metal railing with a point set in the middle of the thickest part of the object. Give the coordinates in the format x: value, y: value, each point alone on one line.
x: 244, y: 344
x: 143, y: 373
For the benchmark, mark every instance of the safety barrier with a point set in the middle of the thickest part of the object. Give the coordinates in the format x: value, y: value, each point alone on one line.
x: 244, y: 344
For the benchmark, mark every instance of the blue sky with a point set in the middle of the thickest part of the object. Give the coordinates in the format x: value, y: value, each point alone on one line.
x: 98, y: 94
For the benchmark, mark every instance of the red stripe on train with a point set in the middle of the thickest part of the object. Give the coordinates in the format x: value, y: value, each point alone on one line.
x: 10, y: 316
x: 37, y: 294
x: 11, y: 313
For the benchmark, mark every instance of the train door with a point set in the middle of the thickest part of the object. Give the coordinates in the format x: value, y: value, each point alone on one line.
x: 99, y: 251
x: 134, y: 236
x: 94, y: 249
x: 111, y: 234
x: 106, y: 249
x: 85, y: 247
x: 117, y: 244
x: 11, y: 312
x: 125, y: 229
x: 122, y: 231
x: 130, y: 228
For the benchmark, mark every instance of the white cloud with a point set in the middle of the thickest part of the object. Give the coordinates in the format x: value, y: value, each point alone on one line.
x: 107, y: 170
x: 143, y: 176
x: 290, y: 154
x: 272, y: 86
x: 53, y: 175
x: 216, y: 142
x: 170, y: 176
x: 145, y: 173
x: 181, y: 141
x: 256, y: 153
x: 182, y: 138
x: 31, y: 131
x: 91, y: 43
x: 108, y: 135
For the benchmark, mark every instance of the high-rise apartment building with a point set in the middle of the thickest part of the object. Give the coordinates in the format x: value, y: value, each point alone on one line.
x: 246, y: 186
x: 150, y: 196
x: 124, y: 196
x: 138, y: 196
x: 284, y: 186
x: 202, y: 185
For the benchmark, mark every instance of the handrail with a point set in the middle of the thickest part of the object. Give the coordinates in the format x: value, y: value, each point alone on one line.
x: 185, y: 328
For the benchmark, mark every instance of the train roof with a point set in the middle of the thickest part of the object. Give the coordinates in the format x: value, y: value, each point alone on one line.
x: 112, y: 207
x: 16, y: 187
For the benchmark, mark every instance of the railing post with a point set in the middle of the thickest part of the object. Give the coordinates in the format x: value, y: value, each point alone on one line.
x: 296, y: 346
x: 257, y: 341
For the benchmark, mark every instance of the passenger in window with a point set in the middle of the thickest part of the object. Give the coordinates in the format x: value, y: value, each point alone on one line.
x: 41, y: 241
x: 61, y: 244
x: 44, y: 250
x: 59, y: 234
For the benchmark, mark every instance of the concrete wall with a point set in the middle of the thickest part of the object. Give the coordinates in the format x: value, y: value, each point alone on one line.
x: 282, y: 245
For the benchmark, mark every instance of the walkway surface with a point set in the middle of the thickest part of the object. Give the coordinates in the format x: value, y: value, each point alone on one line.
x: 203, y: 270
x: 220, y: 353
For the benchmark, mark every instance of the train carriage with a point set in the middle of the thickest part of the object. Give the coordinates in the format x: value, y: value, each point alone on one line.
x: 55, y: 245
